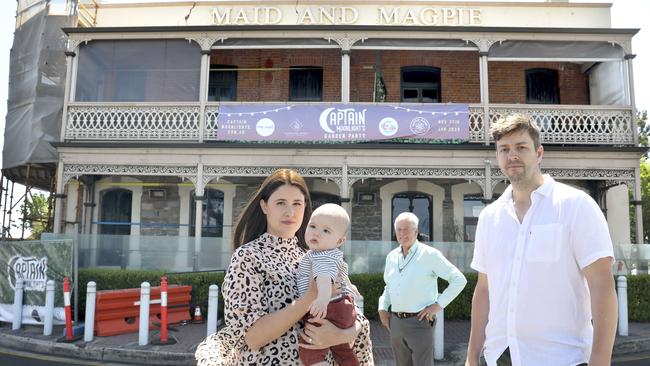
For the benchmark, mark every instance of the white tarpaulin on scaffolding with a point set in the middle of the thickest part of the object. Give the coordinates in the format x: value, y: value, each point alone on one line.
x: 36, y: 83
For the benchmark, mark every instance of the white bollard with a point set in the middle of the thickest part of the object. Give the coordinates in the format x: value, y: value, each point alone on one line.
x: 143, y: 335
x: 49, y: 308
x: 439, y: 336
x: 18, y: 305
x: 213, y: 308
x: 89, y: 324
x: 622, y: 306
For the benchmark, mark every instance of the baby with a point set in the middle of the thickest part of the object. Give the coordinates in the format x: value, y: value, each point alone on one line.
x: 324, y: 262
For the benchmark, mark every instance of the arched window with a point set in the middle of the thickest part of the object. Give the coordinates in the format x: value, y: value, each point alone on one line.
x: 115, y: 212
x: 320, y: 198
x: 212, y: 225
x: 115, y: 219
x: 421, y: 205
x: 421, y: 84
x: 542, y: 86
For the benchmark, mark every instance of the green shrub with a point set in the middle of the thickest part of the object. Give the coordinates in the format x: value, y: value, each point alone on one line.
x: 638, y: 298
x: 371, y: 285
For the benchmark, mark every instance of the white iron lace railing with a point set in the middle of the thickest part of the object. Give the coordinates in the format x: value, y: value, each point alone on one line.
x: 575, y: 124
x: 476, y: 127
x: 131, y: 121
x: 560, y: 124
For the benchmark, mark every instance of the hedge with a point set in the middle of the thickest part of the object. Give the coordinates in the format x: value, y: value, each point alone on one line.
x: 371, y: 285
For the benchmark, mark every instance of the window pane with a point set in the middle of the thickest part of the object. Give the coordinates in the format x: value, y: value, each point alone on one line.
x: 212, y: 214
x: 429, y: 96
x: 223, y: 84
x: 410, y: 94
x: 139, y: 71
x: 418, y: 203
x: 542, y: 86
x: 306, y: 83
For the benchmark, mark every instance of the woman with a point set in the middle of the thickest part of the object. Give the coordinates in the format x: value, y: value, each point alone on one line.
x: 262, y: 307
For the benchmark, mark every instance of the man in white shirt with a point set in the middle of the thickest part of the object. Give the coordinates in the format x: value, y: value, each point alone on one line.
x: 544, y: 259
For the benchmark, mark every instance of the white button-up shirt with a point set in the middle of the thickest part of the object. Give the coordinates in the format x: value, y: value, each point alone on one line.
x: 539, y: 299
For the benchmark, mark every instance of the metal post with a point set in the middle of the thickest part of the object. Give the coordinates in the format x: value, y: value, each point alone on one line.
x: 89, y: 325
x: 143, y: 335
x: 622, y: 306
x: 213, y: 308
x: 18, y: 305
x: 49, y: 308
x: 439, y: 336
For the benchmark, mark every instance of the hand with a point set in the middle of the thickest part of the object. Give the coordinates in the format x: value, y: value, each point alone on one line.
x: 322, y: 334
x: 318, y: 308
x: 429, y: 313
x: 384, y: 316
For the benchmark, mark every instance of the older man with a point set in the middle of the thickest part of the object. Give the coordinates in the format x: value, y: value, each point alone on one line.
x: 411, y: 293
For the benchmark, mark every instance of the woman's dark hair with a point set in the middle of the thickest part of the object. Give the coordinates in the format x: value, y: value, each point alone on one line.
x: 251, y: 223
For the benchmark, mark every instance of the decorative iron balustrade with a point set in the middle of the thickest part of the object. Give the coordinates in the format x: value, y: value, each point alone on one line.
x: 142, y: 121
x: 560, y: 124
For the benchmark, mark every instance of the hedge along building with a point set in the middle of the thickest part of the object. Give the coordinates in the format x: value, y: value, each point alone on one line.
x: 145, y: 148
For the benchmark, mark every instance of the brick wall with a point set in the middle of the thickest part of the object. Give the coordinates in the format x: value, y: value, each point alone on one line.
x: 459, y: 74
x: 507, y: 81
x: 256, y: 84
x: 460, y: 78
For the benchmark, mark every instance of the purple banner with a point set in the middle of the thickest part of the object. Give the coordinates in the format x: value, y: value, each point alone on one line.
x: 343, y: 122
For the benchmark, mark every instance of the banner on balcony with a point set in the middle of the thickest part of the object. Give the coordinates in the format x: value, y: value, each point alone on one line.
x: 343, y: 122
x: 35, y: 262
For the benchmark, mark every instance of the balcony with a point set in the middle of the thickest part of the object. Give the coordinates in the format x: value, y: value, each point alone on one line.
x: 173, y: 122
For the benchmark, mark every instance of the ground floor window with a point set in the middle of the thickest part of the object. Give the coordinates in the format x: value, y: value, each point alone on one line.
x: 421, y: 205
x: 212, y: 214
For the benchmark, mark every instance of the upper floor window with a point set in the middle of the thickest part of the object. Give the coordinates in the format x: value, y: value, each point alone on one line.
x: 306, y: 83
x: 138, y: 71
x: 223, y: 83
x: 542, y: 86
x: 421, y: 84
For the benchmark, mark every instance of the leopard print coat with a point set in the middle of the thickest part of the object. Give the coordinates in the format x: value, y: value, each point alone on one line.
x: 261, y: 279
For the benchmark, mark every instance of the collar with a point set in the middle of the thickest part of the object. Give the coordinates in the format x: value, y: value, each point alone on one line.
x: 412, y: 249
x: 545, y: 189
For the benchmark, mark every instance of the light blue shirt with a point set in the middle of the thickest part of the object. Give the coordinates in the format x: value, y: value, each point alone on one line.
x: 412, y: 281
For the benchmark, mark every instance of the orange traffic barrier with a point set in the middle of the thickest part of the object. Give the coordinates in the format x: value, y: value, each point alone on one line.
x: 118, y: 311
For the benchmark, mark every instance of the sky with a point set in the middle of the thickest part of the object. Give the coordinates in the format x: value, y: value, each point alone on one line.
x: 624, y: 14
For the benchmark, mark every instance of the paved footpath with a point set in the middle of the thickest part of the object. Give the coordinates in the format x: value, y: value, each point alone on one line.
x: 125, y: 349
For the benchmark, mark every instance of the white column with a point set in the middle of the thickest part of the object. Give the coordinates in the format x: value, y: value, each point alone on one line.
x: 58, y: 205
x: 485, y: 94
x: 637, y: 206
x: 618, y: 214
x: 69, y: 60
x: 71, y: 207
x: 198, y: 215
x: 203, y: 90
x: 345, y: 76
x: 630, y: 85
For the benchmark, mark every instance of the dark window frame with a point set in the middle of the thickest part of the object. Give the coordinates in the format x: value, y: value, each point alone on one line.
x: 410, y: 86
x: 207, y: 231
x: 306, y: 84
x: 542, y: 86
x: 219, y: 79
x: 411, y: 196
